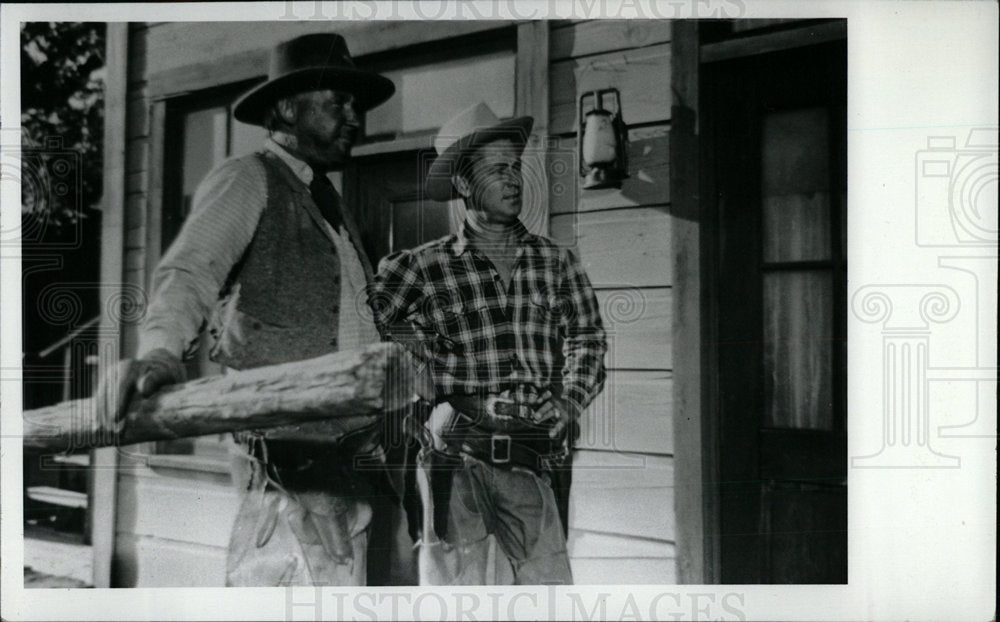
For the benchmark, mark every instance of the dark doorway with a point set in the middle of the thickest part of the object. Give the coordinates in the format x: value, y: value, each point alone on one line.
x: 385, y: 193
x: 776, y: 136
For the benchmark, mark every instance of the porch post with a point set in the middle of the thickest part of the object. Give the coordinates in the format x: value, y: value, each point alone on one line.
x: 104, y: 462
x: 695, y: 499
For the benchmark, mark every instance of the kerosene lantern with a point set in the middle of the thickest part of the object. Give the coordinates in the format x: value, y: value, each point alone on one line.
x: 603, y: 140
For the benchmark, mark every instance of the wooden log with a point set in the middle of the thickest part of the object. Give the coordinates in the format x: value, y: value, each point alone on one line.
x: 366, y: 382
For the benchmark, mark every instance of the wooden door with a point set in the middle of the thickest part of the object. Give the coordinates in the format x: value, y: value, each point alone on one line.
x: 385, y: 194
x: 777, y: 139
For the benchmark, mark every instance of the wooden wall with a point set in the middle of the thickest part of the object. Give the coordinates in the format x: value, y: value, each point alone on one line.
x: 173, y: 517
x: 621, y: 515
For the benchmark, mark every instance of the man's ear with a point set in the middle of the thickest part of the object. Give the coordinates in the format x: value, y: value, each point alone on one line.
x: 462, y: 185
x: 288, y: 109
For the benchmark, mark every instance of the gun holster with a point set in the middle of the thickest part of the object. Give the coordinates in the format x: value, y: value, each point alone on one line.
x: 442, y: 467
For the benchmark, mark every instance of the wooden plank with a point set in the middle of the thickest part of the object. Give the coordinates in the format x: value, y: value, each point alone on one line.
x: 137, y: 156
x: 135, y: 238
x: 112, y: 272
x: 350, y: 385
x: 620, y: 248
x: 150, y: 507
x: 638, y: 323
x: 220, y: 70
x: 532, y: 83
x: 589, y: 544
x: 58, y: 496
x: 532, y: 99
x: 143, y: 561
x: 641, y: 75
x: 137, y: 181
x: 157, y: 171
x: 808, y: 34
x: 695, y: 454
x: 623, y: 494
x: 599, y: 36
x: 648, y: 183
x: 138, y: 55
x: 238, y: 51
x: 633, y: 414
x: 623, y: 571
x: 138, y: 114
x: 746, y: 25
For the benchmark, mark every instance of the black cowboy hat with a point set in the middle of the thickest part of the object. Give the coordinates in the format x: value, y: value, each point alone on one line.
x: 309, y: 63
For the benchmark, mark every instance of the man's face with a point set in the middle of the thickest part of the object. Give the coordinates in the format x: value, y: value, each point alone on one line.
x: 492, y: 182
x: 325, y: 127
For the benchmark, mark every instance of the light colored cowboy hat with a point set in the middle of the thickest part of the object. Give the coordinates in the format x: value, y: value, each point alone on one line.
x: 310, y: 63
x: 464, y: 133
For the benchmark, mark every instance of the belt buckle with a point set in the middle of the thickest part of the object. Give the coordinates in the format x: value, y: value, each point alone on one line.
x: 500, y: 440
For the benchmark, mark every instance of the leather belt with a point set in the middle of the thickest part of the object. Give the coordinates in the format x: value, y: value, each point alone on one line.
x: 506, y: 442
x: 504, y: 451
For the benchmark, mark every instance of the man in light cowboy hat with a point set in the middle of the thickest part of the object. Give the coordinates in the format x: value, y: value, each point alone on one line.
x: 272, y: 261
x: 510, y: 326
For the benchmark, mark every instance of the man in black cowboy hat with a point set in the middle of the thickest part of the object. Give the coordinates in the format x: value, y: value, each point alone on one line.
x: 510, y: 326
x: 274, y: 264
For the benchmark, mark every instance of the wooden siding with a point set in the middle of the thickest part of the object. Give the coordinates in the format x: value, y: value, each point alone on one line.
x: 188, y: 56
x: 642, y: 76
x: 621, y: 518
x: 173, y: 524
x: 633, y: 414
x: 599, y: 36
x: 143, y: 561
x: 620, y: 248
x: 622, y: 505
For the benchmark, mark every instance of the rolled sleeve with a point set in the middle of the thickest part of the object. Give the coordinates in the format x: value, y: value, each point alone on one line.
x: 187, y: 282
x: 585, y: 341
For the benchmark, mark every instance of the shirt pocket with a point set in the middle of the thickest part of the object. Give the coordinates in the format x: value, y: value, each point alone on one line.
x: 450, y: 326
x: 543, y: 308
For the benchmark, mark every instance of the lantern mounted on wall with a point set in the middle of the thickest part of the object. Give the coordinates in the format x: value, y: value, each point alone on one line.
x: 603, y: 140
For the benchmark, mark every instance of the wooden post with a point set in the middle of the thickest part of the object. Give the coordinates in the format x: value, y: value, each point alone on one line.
x: 695, y: 498
x: 354, y: 387
x: 104, y: 461
x: 532, y: 98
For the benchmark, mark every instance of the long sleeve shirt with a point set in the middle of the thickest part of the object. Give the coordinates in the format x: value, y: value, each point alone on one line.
x: 226, y: 209
x: 446, y: 300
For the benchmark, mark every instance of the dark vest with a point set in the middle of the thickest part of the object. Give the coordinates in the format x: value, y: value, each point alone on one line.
x: 281, y: 301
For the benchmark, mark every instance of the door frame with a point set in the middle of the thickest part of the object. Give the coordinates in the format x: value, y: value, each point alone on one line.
x: 694, y: 243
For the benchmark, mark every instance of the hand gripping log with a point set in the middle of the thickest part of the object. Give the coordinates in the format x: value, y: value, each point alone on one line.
x: 375, y: 380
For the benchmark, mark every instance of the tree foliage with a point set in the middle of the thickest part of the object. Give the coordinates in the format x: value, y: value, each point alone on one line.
x: 62, y: 120
x: 62, y: 116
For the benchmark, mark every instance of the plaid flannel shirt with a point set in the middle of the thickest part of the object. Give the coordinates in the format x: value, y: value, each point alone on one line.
x: 445, y: 300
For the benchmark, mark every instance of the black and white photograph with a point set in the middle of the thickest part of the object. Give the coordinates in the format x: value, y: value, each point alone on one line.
x: 494, y: 312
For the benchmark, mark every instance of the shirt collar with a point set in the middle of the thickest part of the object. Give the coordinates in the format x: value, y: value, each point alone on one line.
x: 300, y: 168
x: 462, y: 241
